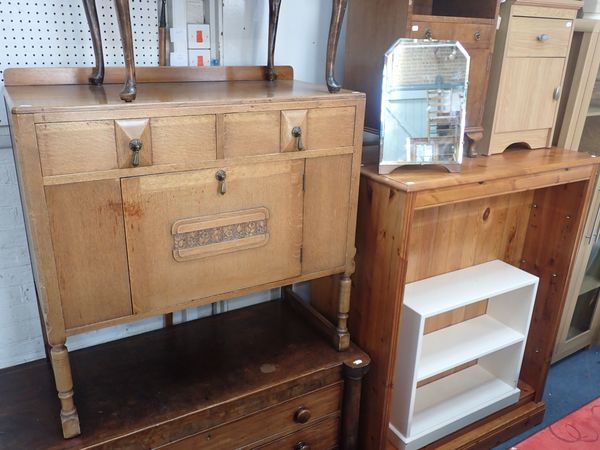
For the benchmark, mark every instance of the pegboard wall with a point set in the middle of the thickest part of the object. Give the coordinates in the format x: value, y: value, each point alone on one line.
x: 53, y: 33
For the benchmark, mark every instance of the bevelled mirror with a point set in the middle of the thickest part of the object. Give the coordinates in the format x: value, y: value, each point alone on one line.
x: 423, y: 104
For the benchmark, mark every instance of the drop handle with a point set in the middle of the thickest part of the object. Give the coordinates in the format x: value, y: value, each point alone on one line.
x: 135, y: 145
x: 477, y: 35
x: 543, y: 37
x: 220, y: 176
x: 297, y: 133
x: 556, y: 93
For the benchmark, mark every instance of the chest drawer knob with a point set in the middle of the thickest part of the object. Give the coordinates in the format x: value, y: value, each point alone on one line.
x: 297, y: 133
x: 301, y: 446
x: 135, y: 145
x: 477, y: 35
x: 543, y: 37
x: 302, y: 415
x: 220, y: 176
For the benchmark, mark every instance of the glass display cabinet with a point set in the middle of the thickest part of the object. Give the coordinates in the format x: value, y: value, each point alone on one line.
x: 579, y: 130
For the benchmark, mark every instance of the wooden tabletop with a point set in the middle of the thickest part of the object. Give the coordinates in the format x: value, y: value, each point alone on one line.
x: 38, y: 99
x: 510, y: 164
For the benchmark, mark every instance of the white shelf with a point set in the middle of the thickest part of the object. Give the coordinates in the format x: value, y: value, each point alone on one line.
x: 464, y: 342
x: 452, y: 290
x: 451, y: 403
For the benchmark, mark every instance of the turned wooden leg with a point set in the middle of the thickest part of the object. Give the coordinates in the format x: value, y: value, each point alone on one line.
x: 91, y: 14
x: 354, y: 371
x: 129, y: 89
x: 335, y: 27
x: 273, y: 22
x: 64, y: 385
x: 342, y: 337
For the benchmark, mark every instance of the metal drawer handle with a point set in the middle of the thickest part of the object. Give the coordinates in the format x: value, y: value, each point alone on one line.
x: 477, y: 35
x: 135, y: 145
x: 297, y: 133
x: 220, y: 176
x: 556, y: 94
x: 428, y: 34
x: 543, y: 37
x: 302, y: 446
x: 302, y: 415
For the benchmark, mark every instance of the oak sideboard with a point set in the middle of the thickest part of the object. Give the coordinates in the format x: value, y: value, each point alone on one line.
x: 213, y: 184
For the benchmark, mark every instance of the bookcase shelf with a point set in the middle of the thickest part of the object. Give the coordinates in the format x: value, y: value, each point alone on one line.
x: 457, y: 374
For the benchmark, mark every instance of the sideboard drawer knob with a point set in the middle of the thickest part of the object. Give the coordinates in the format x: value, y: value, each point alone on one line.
x: 297, y: 133
x: 302, y: 446
x: 302, y: 415
x: 477, y: 35
x: 543, y: 37
x: 135, y: 145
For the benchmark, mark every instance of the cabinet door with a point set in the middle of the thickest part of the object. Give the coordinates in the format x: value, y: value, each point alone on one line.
x: 189, y: 237
x: 528, y: 100
x: 88, y: 237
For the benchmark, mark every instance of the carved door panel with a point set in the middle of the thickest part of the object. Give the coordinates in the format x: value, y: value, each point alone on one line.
x: 191, y: 236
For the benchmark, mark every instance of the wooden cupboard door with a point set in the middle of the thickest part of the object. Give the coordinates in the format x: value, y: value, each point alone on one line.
x: 537, y: 81
x: 326, y: 211
x: 88, y: 238
x: 187, y: 240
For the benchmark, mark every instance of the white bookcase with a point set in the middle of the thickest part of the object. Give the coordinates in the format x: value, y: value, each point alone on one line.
x: 490, y: 346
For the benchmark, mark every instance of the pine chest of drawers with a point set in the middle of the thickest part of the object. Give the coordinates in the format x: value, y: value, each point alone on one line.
x: 196, y: 192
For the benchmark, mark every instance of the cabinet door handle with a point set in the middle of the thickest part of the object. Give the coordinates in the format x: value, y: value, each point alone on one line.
x: 477, y: 35
x: 220, y: 176
x: 556, y: 94
x: 543, y: 37
x: 297, y: 133
x: 428, y: 34
x: 135, y: 145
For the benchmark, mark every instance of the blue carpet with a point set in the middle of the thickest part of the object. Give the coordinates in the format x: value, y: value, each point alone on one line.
x: 572, y: 382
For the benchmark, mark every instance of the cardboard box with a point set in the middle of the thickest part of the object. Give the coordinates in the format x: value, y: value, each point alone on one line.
x: 198, y: 35
x: 199, y: 58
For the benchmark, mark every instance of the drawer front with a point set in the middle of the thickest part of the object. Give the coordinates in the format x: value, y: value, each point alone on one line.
x: 74, y: 147
x: 320, y: 436
x: 537, y: 37
x: 469, y: 35
x: 287, y: 417
x: 187, y: 140
x: 190, y: 236
x: 250, y: 133
x: 330, y: 128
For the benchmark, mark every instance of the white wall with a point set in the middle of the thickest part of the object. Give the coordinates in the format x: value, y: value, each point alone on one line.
x: 302, y: 42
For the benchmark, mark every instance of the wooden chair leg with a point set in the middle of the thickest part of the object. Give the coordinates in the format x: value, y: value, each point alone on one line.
x: 343, y: 336
x: 273, y: 23
x: 63, y: 379
x: 335, y: 27
x: 129, y: 89
x: 91, y: 14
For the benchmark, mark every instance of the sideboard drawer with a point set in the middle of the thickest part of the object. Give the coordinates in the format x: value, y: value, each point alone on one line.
x: 320, y: 436
x: 250, y: 133
x: 74, y: 147
x: 538, y: 37
x: 330, y: 128
x: 183, y: 140
x: 298, y: 413
x: 471, y: 35
x: 190, y: 237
